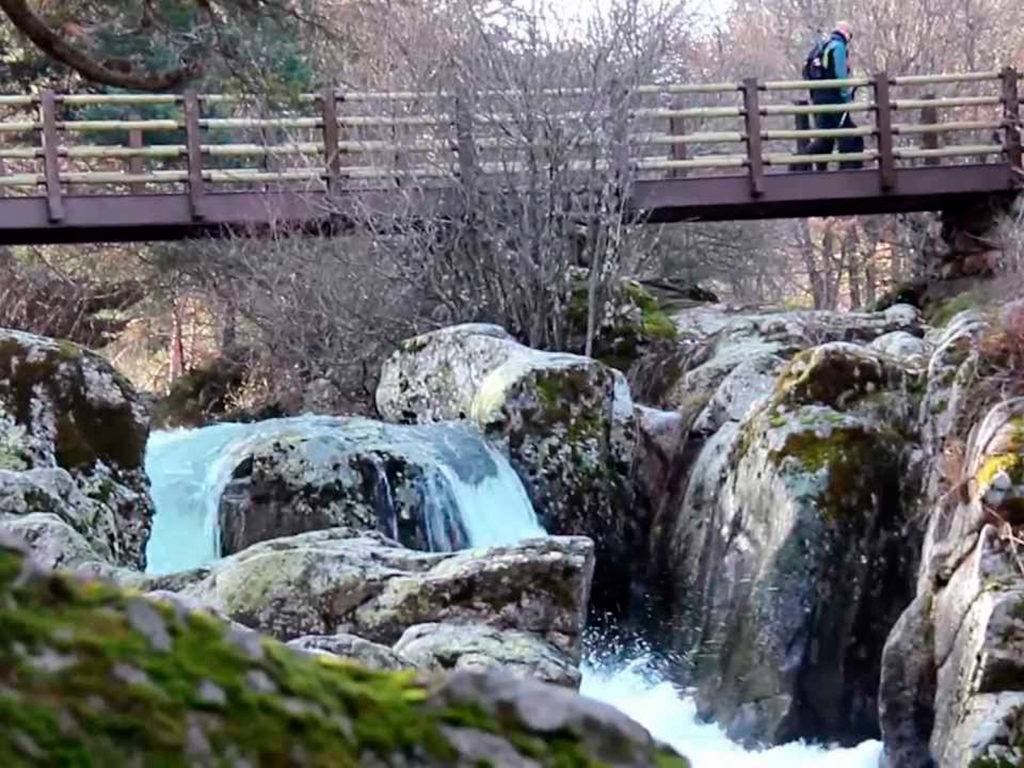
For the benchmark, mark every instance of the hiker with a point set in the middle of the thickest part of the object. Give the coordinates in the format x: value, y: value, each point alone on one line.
x: 829, y: 60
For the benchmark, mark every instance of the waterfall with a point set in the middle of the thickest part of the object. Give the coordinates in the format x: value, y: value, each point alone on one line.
x: 467, y: 485
x: 189, y: 470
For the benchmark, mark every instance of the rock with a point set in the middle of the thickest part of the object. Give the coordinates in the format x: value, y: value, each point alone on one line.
x: 789, y: 558
x: 658, y: 458
x: 435, y: 377
x: 552, y: 710
x: 53, y: 542
x: 630, y: 321
x: 470, y: 646
x: 406, y: 482
x: 78, y: 432
x: 52, y: 494
x: 345, y: 581
x: 716, y: 339
x: 901, y: 345
x: 202, y: 395
x: 979, y: 657
x: 372, y: 655
x: 955, y: 661
x: 565, y: 421
x: 907, y: 689
x: 78, y: 677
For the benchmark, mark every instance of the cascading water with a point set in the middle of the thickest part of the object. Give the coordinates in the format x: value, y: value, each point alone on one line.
x: 463, y: 478
x: 634, y: 688
x: 189, y: 470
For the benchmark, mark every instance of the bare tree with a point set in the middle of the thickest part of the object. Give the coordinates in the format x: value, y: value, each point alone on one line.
x: 521, y: 187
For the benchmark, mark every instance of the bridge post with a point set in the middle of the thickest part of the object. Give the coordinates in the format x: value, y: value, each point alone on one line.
x: 332, y: 158
x: 752, y: 115
x: 930, y: 116
x: 1011, y: 109
x: 677, y: 151
x: 465, y: 143
x: 194, y: 148
x: 135, y: 166
x: 51, y: 159
x: 883, y: 124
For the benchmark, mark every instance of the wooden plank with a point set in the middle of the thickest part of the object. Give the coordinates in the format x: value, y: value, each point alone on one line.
x: 755, y: 162
x: 51, y: 157
x: 1011, y: 107
x: 332, y: 137
x: 194, y: 151
x: 883, y: 122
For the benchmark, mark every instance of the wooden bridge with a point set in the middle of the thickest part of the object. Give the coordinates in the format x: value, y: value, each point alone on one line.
x: 104, y: 167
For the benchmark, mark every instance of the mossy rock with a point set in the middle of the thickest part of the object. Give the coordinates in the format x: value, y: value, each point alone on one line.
x: 839, y: 375
x: 94, y: 411
x: 94, y: 676
x: 632, y: 320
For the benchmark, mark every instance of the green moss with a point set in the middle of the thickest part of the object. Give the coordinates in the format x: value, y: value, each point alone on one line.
x: 69, y: 351
x: 1010, y: 463
x: 847, y: 453
x: 655, y: 324
x: 85, y: 681
x: 414, y: 345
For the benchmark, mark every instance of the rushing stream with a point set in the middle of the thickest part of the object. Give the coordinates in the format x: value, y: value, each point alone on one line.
x: 190, y: 469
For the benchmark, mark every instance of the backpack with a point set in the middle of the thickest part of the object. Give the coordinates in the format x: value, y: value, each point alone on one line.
x: 814, y: 65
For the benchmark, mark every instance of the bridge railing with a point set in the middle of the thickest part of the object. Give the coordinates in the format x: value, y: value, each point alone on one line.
x: 61, y: 144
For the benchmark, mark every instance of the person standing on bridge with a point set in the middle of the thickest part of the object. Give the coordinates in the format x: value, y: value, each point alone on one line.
x: 830, y: 60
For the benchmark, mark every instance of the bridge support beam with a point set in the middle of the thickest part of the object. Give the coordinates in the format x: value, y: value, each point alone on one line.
x: 755, y: 157
x: 194, y: 149
x: 51, y: 157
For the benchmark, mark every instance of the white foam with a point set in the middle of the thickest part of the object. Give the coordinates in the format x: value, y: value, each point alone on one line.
x: 672, y: 718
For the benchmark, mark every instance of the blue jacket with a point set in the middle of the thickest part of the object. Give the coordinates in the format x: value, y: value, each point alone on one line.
x: 835, y: 58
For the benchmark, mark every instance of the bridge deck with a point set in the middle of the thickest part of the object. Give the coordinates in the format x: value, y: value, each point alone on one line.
x: 109, y: 218
x: 203, y: 164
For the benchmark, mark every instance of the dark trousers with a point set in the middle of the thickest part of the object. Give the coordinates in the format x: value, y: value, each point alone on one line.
x: 824, y: 146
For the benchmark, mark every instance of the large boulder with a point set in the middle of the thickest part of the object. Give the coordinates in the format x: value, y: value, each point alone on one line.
x: 407, y: 482
x: 788, y: 558
x: 94, y: 676
x: 469, y: 646
x: 72, y: 440
x: 715, y: 340
x: 345, y: 581
x: 954, y: 665
x: 565, y: 421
